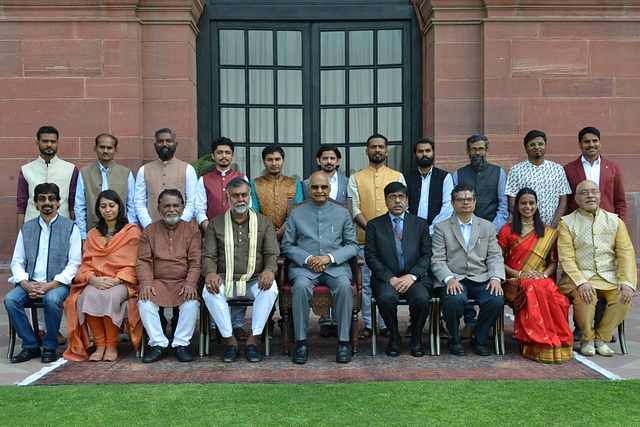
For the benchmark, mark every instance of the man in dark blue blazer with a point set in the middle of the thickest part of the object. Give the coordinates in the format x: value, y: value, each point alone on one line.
x: 398, y: 252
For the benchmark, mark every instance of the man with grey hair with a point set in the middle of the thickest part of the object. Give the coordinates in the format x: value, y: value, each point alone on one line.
x: 492, y: 204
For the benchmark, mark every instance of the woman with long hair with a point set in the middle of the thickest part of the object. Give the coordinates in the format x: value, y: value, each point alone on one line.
x: 531, y: 257
x: 106, y: 284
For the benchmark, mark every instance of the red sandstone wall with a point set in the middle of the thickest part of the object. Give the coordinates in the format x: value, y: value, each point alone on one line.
x: 504, y: 67
x: 126, y: 67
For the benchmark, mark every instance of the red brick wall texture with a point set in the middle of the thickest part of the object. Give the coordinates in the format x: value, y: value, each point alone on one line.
x: 499, y: 67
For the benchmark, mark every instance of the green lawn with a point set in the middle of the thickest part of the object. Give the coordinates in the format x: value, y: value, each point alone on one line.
x: 463, y: 403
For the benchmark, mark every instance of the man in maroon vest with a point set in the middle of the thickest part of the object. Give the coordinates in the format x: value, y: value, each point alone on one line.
x: 211, y: 201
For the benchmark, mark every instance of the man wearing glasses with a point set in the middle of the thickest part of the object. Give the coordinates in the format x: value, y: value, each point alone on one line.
x: 400, y: 269
x: 546, y: 178
x: 489, y: 181
x: 598, y: 260
x: 467, y: 262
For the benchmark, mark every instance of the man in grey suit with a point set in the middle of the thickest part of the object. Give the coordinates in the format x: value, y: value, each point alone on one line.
x: 399, y: 266
x: 319, y: 240
x: 468, y: 263
x: 328, y: 159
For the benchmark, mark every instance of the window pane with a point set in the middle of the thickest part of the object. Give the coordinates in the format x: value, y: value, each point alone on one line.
x: 292, y: 165
x: 232, y: 86
x: 290, y: 87
x: 239, y: 159
x: 360, y: 124
x: 332, y: 126
x: 260, y: 48
x: 390, y: 85
x: 290, y: 125
x: 389, y: 47
x: 231, y: 47
x: 261, y: 87
x: 394, y: 159
x: 332, y: 87
x: 358, y: 159
x: 361, y: 48
x: 390, y: 123
x: 290, y: 48
x: 233, y: 124
x: 261, y: 122
x: 360, y: 87
x: 331, y: 48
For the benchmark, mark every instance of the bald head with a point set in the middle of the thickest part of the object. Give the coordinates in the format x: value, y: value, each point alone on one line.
x: 588, y: 195
x: 319, y: 188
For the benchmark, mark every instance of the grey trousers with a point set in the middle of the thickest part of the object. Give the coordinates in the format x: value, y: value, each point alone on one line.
x: 341, y: 292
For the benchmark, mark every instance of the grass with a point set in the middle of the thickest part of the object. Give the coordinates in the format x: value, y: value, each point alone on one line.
x: 463, y: 403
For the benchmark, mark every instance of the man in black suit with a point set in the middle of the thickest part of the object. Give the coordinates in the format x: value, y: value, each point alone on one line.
x: 399, y: 266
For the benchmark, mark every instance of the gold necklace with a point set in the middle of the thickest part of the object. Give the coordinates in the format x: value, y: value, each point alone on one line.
x: 527, y: 223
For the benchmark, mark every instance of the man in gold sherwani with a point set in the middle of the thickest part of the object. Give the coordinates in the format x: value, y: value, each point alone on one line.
x: 598, y: 262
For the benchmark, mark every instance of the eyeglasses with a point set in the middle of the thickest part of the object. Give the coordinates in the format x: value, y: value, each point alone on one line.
x: 465, y: 199
x: 315, y: 187
x: 536, y: 144
x: 477, y: 150
x: 397, y: 196
x: 593, y: 191
x: 50, y: 198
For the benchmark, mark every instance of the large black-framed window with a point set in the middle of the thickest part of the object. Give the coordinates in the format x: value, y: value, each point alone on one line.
x: 330, y: 74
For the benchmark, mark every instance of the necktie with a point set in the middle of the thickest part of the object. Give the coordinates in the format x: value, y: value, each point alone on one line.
x: 398, y: 229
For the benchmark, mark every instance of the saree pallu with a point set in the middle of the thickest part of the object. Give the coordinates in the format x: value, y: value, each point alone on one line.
x: 542, y: 323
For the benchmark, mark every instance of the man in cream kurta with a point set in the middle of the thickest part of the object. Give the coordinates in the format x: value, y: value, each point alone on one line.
x: 239, y: 261
x: 598, y: 260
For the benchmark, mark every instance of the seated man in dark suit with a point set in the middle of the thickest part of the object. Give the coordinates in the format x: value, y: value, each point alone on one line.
x: 468, y: 263
x: 399, y: 266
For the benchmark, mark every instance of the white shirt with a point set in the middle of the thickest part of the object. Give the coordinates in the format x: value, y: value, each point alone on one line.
x: 80, y: 208
x: 189, y: 193
x: 592, y: 172
x: 333, y: 182
x: 423, y: 204
x: 19, y: 261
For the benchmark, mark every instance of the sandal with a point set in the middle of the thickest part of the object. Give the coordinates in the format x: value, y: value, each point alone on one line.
x: 366, y: 333
x: 240, y: 334
x: 385, y: 332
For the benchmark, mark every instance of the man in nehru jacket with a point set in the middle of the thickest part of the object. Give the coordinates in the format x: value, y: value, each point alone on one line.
x: 489, y: 182
x: 239, y: 261
x: 40, y: 273
x: 598, y: 261
x: 328, y: 160
x: 212, y: 200
x: 103, y: 174
x: 320, y: 240
x: 168, y: 270
x: 366, y: 188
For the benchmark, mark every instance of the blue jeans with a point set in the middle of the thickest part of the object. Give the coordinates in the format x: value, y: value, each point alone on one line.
x: 15, y: 301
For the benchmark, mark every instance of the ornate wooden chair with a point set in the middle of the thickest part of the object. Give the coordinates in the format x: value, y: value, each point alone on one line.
x: 321, y: 302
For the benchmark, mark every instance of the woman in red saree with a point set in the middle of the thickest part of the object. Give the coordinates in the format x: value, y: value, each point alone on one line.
x: 529, y: 246
x: 105, y: 285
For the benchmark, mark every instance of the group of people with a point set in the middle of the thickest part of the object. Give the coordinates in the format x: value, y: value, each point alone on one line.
x: 114, y: 251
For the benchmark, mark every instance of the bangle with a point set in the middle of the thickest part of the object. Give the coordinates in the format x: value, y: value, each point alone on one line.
x: 519, y: 273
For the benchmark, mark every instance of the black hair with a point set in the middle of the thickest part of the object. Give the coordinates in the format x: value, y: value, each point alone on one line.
x: 121, y: 219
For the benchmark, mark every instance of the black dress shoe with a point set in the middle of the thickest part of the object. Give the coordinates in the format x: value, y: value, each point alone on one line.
x: 26, y: 354
x: 156, y: 353
x: 480, y: 349
x: 302, y: 353
x: 456, y: 348
x: 230, y: 354
x: 343, y: 355
x: 417, y: 350
x: 393, y: 349
x: 334, y: 332
x: 49, y: 355
x: 182, y: 353
x: 252, y: 354
x: 325, y: 331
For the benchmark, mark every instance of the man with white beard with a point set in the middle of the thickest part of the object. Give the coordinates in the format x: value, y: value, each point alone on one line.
x: 239, y: 262
x: 168, y: 270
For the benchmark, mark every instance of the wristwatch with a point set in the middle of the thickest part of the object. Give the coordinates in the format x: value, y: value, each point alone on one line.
x: 545, y: 275
x: 414, y: 277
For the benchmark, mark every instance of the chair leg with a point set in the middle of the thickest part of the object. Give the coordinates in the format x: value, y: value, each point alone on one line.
x: 437, y: 310
x: 354, y: 332
x: 203, y: 345
x: 12, y: 340
x: 143, y: 344
x: 286, y: 329
x: 265, y: 338
x: 622, y: 338
x: 374, y: 327
x: 433, y: 321
x: 36, y: 326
